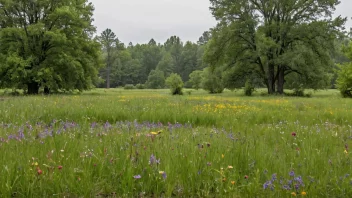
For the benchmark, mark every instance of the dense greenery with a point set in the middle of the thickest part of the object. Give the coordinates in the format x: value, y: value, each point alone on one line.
x: 344, y: 81
x: 175, y: 83
x: 271, y: 40
x: 47, y: 44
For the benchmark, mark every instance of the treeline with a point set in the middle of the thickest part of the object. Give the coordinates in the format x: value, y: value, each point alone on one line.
x: 135, y: 64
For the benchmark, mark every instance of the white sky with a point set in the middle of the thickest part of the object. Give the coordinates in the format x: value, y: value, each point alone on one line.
x: 140, y: 20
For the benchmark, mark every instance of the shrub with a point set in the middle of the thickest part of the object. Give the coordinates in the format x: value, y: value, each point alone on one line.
x: 212, y: 81
x: 129, y: 86
x: 156, y: 80
x: 175, y: 83
x: 195, y: 79
x: 344, y: 80
x: 140, y: 86
x: 248, y: 88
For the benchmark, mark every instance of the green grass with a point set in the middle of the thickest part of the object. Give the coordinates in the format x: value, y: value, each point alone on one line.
x: 223, y: 145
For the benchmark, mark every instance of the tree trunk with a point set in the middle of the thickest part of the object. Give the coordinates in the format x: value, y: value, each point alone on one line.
x: 108, y: 78
x: 46, y: 90
x: 281, y: 80
x: 271, y: 79
x: 33, y: 88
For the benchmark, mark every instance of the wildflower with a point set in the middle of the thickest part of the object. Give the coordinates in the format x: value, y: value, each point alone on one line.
x: 293, y: 134
x: 222, y: 155
x: 35, y: 164
x: 59, y: 167
x: 208, y: 163
x: 303, y: 193
x: 39, y: 171
x: 153, y: 160
x: 292, y: 173
x: 246, y: 176
x: 137, y: 177
x: 346, y: 152
x: 161, y: 172
x: 164, y: 175
x: 224, y: 179
x: 230, y: 167
x: 294, y: 194
x: 233, y: 182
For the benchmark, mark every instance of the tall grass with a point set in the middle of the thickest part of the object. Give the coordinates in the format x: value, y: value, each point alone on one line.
x: 108, y: 143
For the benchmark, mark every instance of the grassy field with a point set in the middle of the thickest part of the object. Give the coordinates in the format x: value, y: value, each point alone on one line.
x: 147, y: 143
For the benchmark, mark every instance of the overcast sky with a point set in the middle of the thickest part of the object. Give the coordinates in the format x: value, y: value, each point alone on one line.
x: 140, y: 20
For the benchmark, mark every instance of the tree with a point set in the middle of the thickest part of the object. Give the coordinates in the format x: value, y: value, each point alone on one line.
x: 195, y: 78
x: 108, y: 40
x: 48, y: 44
x: 344, y: 80
x: 156, y: 80
x: 166, y: 64
x: 175, y: 83
x: 212, y: 80
x: 278, y: 37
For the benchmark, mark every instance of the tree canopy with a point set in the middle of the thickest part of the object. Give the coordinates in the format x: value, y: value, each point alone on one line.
x: 273, y: 39
x: 47, y: 44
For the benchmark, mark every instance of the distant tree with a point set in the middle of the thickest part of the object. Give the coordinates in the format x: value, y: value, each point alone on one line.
x: 108, y: 40
x: 195, y: 79
x: 48, y: 44
x: 175, y: 83
x: 212, y: 80
x: 167, y: 64
x: 156, y: 80
x: 279, y: 38
x: 205, y: 38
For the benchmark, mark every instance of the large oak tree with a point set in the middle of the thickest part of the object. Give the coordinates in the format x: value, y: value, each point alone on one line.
x: 47, y: 43
x: 274, y: 38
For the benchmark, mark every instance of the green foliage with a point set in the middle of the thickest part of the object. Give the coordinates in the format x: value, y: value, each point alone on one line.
x: 212, y: 81
x: 248, y: 88
x: 156, y: 80
x: 129, y: 86
x: 278, y: 39
x: 140, y: 86
x: 46, y: 44
x: 344, y: 80
x: 195, y: 79
x: 175, y: 83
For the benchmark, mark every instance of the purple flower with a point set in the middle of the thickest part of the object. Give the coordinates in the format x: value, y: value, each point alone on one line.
x: 137, y: 176
x: 292, y: 173
x: 273, y: 177
x: 153, y: 160
x: 164, y: 175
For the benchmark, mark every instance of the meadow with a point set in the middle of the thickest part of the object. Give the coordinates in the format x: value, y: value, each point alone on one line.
x: 147, y: 143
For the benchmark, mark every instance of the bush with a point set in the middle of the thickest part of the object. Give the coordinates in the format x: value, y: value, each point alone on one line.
x: 344, y: 80
x: 140, y: 86
x: 212, y: 81
x: 195, y: 79
x: 129, y: 86
x: 156, y: 80
x: 175, y: 83
x: 248, y: 88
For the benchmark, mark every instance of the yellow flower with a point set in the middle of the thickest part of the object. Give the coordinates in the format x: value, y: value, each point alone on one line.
x: 35, y: 164
x: 161, y: 172
x: 346, y: 151
x: 222, y: 155
x: 230, y: 167
x: 303, y: 193
x: 293, y: 194
x: 233, y: 182
x: 154, y: 133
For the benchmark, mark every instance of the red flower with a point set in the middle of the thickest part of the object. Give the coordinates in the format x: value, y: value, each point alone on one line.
x: 59, y: 167
x: 246, y: 176
x: 39, y: 171
x: 293, y: 134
